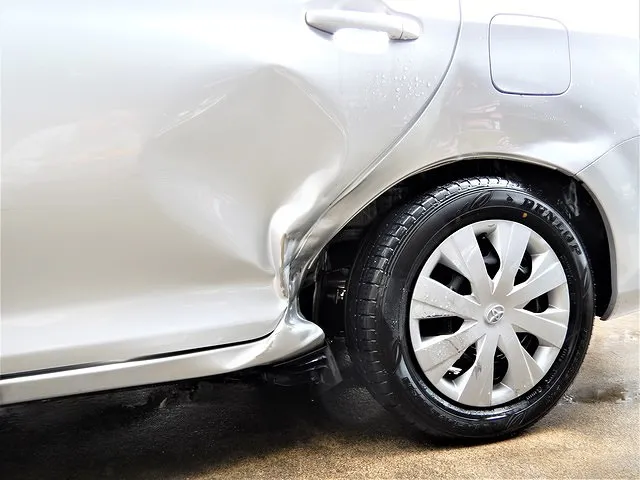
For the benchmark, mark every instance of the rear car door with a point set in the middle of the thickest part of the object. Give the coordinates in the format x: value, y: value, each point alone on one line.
x: 156, y: 154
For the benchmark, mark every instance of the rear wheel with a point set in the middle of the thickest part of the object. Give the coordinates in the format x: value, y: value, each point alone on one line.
x: 470, y: 309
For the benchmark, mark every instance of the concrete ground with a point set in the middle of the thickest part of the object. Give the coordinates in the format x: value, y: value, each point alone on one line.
x: 241, y: 431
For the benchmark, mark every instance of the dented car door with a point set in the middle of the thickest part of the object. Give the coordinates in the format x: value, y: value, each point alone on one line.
x: 160, y: 158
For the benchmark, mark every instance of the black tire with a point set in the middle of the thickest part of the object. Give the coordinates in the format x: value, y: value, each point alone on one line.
x: 378, y: 298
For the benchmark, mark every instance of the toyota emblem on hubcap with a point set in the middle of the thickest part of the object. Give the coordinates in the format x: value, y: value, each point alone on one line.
x: 494, y: 314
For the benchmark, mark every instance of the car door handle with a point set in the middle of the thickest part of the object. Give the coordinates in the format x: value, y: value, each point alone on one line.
x: 396, y: 26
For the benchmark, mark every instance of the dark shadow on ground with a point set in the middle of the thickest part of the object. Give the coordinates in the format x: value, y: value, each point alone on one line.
x: 168, y: 432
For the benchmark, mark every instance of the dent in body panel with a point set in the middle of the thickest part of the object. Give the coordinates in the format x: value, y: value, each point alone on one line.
x: 216, y: 170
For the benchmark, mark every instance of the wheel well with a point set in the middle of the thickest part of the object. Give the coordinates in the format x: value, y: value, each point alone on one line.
x: 323, y: 298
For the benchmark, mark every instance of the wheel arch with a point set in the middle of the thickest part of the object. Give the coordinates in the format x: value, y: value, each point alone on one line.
x: 561, y: 189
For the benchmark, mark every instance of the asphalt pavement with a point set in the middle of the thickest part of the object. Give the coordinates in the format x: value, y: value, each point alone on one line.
x: 235, y: 430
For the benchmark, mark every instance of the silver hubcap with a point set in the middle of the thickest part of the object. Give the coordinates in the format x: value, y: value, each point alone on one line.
x: 489, y: 313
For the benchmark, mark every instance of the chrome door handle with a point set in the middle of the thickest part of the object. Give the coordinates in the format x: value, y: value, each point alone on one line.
x: 396, y: 26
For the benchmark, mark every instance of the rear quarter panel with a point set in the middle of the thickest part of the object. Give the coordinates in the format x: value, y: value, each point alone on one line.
x: 470, y: 118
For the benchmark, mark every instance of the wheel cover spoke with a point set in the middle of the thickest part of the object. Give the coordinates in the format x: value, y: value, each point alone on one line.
x: 510, y: 241
x: 432, y: 299
x: 549, y: 326
x: 546, y: 275
x: 437, y: 354
x: 462, y: 253
x: 527, y: 322
x: 523, y: 372
x: 476, y: 385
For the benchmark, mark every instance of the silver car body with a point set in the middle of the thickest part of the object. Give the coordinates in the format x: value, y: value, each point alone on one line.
x: 171, y: 168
